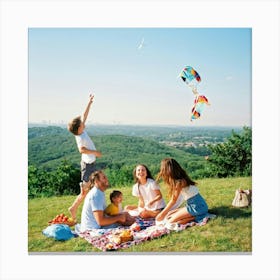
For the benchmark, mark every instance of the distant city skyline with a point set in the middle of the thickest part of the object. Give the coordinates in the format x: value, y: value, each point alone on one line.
x: 92, y: 124
x: 133, y: 73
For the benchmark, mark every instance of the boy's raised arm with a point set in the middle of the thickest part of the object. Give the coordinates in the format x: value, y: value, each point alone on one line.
x: 85, y: 115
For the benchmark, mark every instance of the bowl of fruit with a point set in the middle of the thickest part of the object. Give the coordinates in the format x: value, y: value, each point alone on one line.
x: 62, y: 219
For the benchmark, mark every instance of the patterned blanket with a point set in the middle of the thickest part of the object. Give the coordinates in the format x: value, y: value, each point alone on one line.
x: 140, y: 231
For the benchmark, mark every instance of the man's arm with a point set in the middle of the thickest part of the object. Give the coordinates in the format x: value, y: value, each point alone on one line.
x: 103, y: 220
x: 85, y: 115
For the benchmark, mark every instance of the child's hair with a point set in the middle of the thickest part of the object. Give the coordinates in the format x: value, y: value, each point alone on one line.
x: 74, y: 125
x: 149, y: 174
x: 171, y: 172
x: 114, y: 194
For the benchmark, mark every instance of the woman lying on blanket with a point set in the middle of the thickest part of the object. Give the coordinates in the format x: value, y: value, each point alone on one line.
x: 148, y: 192
x: 179, y: 183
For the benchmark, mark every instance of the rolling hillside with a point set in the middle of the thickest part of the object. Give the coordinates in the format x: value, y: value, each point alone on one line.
x: 49, y: 146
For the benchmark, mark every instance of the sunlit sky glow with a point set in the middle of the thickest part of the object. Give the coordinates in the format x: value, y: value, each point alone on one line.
x: 139, y: 85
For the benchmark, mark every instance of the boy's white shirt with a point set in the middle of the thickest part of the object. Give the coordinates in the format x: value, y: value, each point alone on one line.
x: 83, y: 140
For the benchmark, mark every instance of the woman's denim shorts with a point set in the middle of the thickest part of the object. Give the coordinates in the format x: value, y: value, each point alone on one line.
x: 197, y: 207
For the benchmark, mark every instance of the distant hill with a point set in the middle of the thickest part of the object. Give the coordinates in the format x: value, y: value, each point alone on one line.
x: 49, y: 146
x: 158, y: 133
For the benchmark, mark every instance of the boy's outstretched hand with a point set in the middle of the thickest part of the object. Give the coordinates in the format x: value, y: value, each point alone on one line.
x: 91, y: 96
x: 85, y: 115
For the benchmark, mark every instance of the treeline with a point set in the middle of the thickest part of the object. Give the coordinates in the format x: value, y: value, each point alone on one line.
x: 54, y: 159
x: 233, y: 157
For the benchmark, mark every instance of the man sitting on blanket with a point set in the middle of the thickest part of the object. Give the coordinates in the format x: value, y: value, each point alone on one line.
x: 93, y: 215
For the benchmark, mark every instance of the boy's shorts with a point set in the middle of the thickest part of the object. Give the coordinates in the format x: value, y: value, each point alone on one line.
x: 86, y: 170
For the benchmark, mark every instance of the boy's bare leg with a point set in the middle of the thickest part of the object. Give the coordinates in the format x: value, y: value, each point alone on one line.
x: 84, y: 188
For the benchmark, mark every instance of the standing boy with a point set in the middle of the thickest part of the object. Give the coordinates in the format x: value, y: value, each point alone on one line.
x: 89, y: 154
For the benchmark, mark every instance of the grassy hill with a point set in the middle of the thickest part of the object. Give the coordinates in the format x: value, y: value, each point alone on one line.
x: 230, y: 231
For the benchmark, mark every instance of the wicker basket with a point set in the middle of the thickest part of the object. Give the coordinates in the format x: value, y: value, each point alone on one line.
x: 122, y: 237
x: 126, y: 238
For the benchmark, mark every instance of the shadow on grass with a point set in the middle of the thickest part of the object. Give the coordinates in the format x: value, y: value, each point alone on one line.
x: 231, y: 212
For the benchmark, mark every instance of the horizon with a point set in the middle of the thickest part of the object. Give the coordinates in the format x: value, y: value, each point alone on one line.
x: 41, y: 124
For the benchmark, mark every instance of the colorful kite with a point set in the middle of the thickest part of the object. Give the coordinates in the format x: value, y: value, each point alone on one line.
x: 190, y: 77
x: 199, y: 105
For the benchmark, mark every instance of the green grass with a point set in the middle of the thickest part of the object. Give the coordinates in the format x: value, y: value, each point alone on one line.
x: 230, y: 231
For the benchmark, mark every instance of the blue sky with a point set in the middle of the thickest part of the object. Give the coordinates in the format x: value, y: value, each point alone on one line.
x: 139, y: 86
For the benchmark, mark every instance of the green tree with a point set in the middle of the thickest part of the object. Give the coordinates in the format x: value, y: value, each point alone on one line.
x: 234, y: 156
x: 61, y: 181
x: 37, y: 181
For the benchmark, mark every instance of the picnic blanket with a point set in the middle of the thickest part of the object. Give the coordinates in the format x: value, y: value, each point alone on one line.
x: 142, y: 230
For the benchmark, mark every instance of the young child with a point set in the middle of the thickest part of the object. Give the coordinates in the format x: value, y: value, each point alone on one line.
x: 89, y: 154
x: 115, y: 207
x: 179, y: 183
x: 148, y: 192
